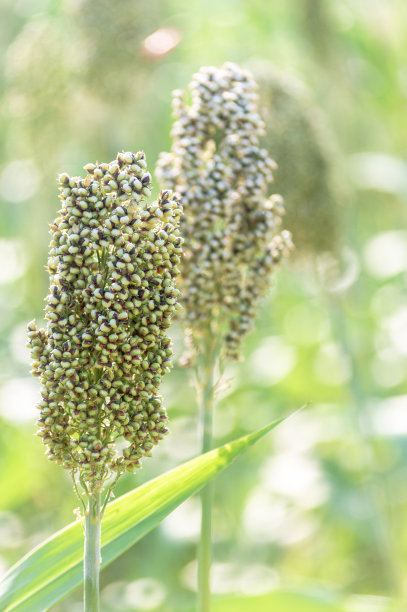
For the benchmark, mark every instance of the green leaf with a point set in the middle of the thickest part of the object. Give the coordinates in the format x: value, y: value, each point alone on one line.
x: 53, y: 569
x: 312, y: 600
x: 283, y: 601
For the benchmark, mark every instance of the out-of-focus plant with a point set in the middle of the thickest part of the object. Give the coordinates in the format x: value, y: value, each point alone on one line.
x: 99, y: 32
x: 231, y: 227
x: 112, y: 265
x: 312, y: 176
x: 309, y: 166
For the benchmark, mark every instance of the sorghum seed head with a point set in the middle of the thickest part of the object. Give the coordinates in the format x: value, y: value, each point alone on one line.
x: 310, y: 173
x: 231, y: 227
x: 100, y: 357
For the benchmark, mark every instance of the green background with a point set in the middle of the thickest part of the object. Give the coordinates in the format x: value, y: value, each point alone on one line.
x: 319, y: 508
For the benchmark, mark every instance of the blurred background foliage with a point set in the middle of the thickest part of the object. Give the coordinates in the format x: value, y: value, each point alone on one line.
x: 314, y: 517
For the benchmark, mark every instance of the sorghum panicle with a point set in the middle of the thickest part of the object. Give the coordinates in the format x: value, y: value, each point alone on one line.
x: 231, y: 228
x: 310, y: 169
x: 113, y: 263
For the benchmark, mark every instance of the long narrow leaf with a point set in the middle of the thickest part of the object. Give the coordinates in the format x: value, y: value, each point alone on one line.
x: 314, y: 600
x: 281, y: 601
x: 53, y: 569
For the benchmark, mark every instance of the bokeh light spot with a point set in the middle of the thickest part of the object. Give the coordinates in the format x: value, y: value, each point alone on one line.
x: 19, y: 180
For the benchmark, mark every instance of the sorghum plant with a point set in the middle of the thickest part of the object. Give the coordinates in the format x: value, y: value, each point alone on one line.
x: 113, y: 262
x: 231, y: 227
x: 310, y: 170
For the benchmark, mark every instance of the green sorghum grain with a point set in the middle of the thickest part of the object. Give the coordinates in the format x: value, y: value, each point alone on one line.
x: 231, y: 227
x: 113, y: 263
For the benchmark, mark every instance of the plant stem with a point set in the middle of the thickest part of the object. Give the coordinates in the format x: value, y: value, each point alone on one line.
x: 206, y: 406
x: 92, y: 553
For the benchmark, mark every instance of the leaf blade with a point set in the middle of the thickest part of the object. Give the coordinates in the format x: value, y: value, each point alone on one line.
x: 54, y: 568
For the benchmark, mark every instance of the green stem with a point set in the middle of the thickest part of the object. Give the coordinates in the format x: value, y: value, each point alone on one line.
x: 92, y: 553
x: 206, y: 405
